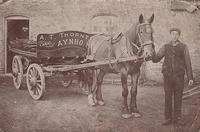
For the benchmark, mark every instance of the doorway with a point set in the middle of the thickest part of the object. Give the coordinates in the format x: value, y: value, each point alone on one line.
x: 16, y: 29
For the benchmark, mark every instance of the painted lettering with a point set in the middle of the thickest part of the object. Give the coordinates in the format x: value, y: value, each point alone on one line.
x: 70, y: 41
x: 46, y: 44
x: 41, y: 37
x: 71, y: 34
x: 77, y: 34
x: 66, y: 35
x: 61, y: 35
x: 86, y: 36
x: 65, y: 41
x: 51, y: 36
x: 81, y: 42
x: 76, y: 41
x: 81, y: 35
x: 60, y: 43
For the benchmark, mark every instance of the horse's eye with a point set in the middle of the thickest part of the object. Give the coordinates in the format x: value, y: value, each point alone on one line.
x: 141, y: 32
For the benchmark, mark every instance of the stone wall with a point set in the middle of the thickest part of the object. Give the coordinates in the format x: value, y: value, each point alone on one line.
x: 50, y: 16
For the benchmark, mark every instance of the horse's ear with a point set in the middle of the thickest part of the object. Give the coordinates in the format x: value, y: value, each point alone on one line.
x: 151, y: 19
x: 141, y: 18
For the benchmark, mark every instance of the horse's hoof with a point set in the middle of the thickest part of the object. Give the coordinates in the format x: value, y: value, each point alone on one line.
x: 91, y: 104
x: 126, y: 116
x: 136, y: 115
x: 91, y: 101
x: 101, y: 103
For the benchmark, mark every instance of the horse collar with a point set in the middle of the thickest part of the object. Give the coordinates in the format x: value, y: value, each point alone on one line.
x: 117, y: 38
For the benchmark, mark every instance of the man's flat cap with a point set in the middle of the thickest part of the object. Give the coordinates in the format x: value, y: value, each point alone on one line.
x: 175, y: 29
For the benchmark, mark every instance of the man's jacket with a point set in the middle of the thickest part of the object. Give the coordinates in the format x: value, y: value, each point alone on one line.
x: 176, y: 60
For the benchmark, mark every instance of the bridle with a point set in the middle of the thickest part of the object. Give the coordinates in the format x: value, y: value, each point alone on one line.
x: 141, y: 42
x: 138, y: 45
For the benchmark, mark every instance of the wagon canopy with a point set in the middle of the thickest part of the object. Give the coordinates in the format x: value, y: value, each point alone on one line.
x: 62, y: 44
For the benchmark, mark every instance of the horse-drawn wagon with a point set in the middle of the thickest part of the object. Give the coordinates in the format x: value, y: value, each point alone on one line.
x: 63, y: 53
x: 60, y: 53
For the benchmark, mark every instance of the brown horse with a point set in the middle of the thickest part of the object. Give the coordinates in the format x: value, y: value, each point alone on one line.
x: 137, y: 41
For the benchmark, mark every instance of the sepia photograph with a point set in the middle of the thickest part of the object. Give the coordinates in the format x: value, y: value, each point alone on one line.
x: 99, y: 65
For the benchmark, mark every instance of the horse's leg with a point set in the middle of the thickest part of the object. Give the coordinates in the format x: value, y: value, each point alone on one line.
x: 133, y: 105
x: 99, y: 96
x: 125, y: 110
x: 91, y: 82
x: 83, y: 81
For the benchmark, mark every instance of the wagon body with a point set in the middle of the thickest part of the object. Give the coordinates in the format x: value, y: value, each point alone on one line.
x: 33, y: 58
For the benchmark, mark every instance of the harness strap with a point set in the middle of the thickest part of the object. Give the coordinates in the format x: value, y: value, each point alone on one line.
x: 138, y: 49
x: 139, y: 35
x: 129, y: 49
x: 147, y: 43
x: 110, y: 52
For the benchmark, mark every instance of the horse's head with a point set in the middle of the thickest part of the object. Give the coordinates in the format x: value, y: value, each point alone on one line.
x: 144, y: 34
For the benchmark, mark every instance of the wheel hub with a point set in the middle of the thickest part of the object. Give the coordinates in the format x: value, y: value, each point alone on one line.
x: 14, y: 74
x: 33, y: 81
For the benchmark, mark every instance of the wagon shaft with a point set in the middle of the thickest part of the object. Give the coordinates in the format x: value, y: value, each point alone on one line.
x: 55, y: 68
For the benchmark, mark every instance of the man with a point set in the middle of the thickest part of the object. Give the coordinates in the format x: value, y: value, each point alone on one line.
x: 176, y: 62
x: 24, y: 34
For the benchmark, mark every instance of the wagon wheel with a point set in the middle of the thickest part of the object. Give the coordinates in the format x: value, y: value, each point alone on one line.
x: 17, y: 72
x: 67, y: 81
x: 35, y: 81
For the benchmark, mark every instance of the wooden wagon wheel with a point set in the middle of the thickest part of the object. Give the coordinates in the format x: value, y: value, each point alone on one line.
x: 35, y: 81
x: 17, y: 71
x: 67, y: 82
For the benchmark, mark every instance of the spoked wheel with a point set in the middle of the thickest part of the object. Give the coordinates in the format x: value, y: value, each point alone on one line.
x: 35, y: 81
x: 67, y: 81
x: 17, y: 72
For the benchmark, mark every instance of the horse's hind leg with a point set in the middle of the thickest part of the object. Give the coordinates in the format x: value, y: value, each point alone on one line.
x: 99, y: 96
x: 133, y: 104
x: 125, y: 110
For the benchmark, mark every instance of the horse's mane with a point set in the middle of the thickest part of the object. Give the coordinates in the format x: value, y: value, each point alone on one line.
x: 131, y: 34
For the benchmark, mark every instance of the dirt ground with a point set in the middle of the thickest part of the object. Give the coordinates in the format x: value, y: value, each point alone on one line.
x: 66, y: 110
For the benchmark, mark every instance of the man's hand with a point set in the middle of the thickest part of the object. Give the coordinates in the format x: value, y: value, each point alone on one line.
x: 190, y: 82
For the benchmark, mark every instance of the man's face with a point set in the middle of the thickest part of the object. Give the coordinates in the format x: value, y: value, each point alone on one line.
x: 175, y: 36
x: 24, y: 29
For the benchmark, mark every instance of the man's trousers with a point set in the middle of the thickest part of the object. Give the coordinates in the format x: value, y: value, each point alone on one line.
x: 173, y: 87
